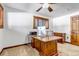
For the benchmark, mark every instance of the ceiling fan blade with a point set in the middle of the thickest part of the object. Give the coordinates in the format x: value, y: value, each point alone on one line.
x: 39, y: 9
x: 50, y: 9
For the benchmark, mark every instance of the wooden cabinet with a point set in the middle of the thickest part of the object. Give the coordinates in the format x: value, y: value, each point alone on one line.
x: 45, y: 48
x: 75, y: 30
x: 1, y: 16
x: 49, y: 48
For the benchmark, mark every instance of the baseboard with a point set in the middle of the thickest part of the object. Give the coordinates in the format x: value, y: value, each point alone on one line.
x: 15, y: 45
x: 12, y: 46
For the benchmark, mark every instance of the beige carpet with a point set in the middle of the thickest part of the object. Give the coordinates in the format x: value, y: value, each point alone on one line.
x: 26, y: 50
x: 68, y: 50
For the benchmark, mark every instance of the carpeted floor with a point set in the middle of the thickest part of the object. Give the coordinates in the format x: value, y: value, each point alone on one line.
x: 26, y: 50
x: 68, y: 50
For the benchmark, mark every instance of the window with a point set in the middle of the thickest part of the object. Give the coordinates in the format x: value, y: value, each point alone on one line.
x: 40, y: 21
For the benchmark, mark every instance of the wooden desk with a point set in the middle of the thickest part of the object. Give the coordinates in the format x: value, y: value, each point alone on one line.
x: 46, y: 46
x: 62, y: 40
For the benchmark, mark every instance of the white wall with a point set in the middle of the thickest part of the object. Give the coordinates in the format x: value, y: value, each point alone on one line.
x: 22, y: 22
x: 19, y: 22
x: 11, y: 38
x: 1, y: 37
x: 62, y: 24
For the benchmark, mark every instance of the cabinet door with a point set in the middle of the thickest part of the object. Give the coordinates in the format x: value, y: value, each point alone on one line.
x: 49, y: 48
x: 37, y: 44
x: 75, y: 30
x: 73, y: 38
x: 33, y: 42
x: 78, y: 38
x: 78, y: 26
x: 74, y: 26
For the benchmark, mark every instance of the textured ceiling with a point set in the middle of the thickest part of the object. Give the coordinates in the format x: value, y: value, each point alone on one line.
x: 60, y: 9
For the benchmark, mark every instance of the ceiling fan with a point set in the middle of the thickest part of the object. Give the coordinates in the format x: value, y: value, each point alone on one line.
x: 45, y: 5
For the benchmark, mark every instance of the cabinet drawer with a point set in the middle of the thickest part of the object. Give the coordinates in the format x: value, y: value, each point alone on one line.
x: 49, y: 48
x: 49, y: 52
x: 37, y: 44
x: 49, y: 45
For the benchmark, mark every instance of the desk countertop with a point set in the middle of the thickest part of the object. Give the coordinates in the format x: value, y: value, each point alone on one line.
x: 46, y: 39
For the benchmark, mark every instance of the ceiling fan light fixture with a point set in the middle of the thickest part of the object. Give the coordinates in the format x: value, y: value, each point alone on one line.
x: 50, y: 9
x: 47, y: 6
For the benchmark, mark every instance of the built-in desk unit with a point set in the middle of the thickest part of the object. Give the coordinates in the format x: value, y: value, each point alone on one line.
x: 46, y: 46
